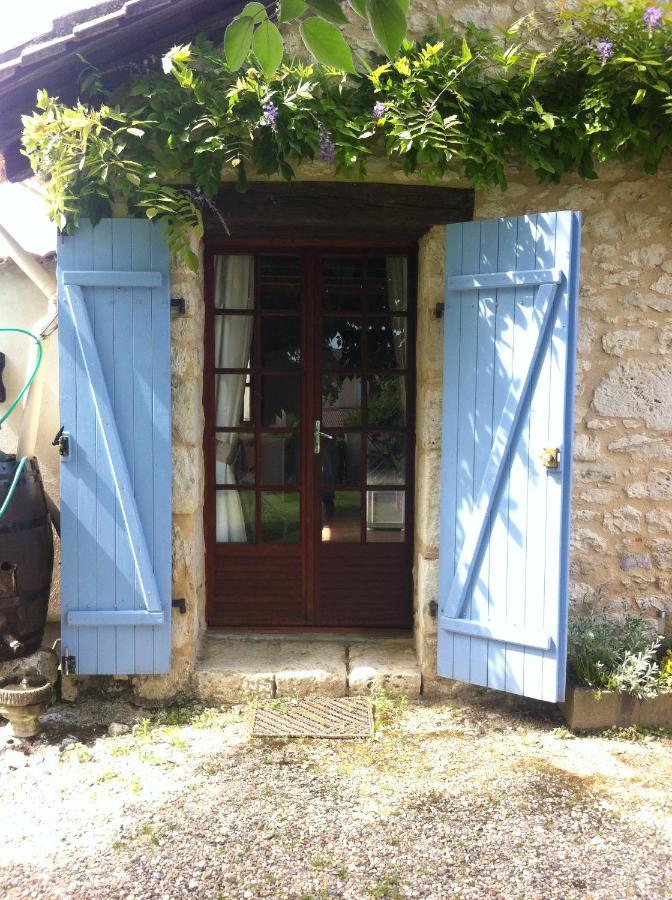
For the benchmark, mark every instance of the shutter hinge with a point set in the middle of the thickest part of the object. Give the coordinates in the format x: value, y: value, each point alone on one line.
x: 439, y: 310
x: 68, y: 664
x: 178, y: 305
x: 62, y: 441
x: 181, y: 604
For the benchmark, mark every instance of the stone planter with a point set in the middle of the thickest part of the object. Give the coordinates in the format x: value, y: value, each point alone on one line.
x: 584, y: 709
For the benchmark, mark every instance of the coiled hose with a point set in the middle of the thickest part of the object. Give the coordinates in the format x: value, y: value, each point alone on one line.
x: 12, y: 407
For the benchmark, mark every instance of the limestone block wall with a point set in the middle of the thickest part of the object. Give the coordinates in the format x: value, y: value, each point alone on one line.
x: 622, y: 495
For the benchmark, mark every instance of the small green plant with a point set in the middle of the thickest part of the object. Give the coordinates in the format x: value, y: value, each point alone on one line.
x: 612, y: 654
x: 387, y: 888
x: 388, y: 710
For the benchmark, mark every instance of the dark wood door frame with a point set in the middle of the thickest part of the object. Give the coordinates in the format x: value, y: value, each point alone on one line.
x: 310, y: 400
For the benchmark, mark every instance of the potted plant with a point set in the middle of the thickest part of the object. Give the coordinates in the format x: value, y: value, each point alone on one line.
x: 619, y: 673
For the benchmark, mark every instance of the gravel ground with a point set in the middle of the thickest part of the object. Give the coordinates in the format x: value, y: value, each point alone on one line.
x: 447, y: 801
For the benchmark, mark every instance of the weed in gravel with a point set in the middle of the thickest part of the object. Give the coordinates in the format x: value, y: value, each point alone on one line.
x: 318, y: 863
x: 151, y: 835
x: 108, y: 775
x: 388, y: 711
x: 632, y: 733
x: 387, y: 888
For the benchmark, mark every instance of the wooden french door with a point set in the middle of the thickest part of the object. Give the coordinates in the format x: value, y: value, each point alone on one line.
x: 309, y: 437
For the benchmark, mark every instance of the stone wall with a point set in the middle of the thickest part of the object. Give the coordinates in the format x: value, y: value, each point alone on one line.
x: 622, y: 496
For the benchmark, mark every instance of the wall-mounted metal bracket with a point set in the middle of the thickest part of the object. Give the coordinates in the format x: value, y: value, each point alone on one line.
x: 439, y: 309
x: 68, y: 664
x: 178, y: 305
x: 62, y: 441
x: 181, y: 604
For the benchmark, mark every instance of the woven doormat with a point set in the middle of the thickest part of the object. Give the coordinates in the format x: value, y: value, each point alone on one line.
x: 319, y: 717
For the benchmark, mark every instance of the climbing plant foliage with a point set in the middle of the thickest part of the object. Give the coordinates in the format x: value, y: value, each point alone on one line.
x: 558, y: 94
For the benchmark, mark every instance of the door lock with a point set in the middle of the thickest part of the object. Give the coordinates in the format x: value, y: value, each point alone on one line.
x: 317, y: 435
x: 550, y: 457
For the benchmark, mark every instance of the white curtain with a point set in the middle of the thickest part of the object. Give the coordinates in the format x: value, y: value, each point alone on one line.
x: 234, y: 289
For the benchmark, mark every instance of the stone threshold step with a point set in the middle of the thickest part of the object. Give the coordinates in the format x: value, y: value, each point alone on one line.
x: 237, y: 669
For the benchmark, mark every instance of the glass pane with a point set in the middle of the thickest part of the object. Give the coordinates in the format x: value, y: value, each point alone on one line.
x: 280, y: 269
x: 341, y: 342
x: 234, y: 458
x: 233, y: 401
x: 387, y: 343
x: 387, y: 400
x: 280, y: 342
x: 342, y: 459
x: 234, y: 282
x: 385, y: 459
x: 233, y: 341
x: 385, y: 516
x: 394, y: 295
x: 280, y: 517
x: 279, y: 459
x: 279, y: 297
x: 340, y: 269
x: 235, y: 517
x: 342, y: 516
x: 338, y: 299
x: 341, y: 401
x: 280, y: 401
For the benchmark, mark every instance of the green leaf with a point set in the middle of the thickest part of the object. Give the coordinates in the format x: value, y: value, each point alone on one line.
x: 403, y: 5
x: 237, y: 41
x: 639, y: 96
x: 291, y: 9
x: 138, y: 132
x: 359, y: 7
x: 326, y: 43
x: 268, y: 47
x: 329, y: 10
x: 256, y: 11
x: 388, y: 24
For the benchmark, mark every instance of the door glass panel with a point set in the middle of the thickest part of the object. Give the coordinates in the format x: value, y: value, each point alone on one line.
x: 339, y: 299
x: 342, y: 460
x: 279, y: 459
x: 341, y: 343
x: 385, y: 458
x: 279, y: 269
x: 233, y: 341
x: 280, y: 400
x: 234, y: 458
x: 280, y: 517
x: 341, y: 516
x: 272, y: 297
x: 393, y: 274
x: 340, y: 269
x: 233, y: 406
x: 387, y: 401
x: 234, y: 282
x: 235, y: 517
x: 280, y: 342
x: 385, y: 516
x: 341, y: 401
x: 387, y: 343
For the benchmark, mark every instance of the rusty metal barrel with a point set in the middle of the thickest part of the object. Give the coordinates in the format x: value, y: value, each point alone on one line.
x: 26, y: 560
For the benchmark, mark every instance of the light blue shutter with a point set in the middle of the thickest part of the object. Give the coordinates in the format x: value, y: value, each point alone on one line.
x: 509, y: 351
x: 114, y: 362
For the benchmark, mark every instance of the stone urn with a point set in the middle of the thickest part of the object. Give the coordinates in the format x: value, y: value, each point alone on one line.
x: 23, y: 699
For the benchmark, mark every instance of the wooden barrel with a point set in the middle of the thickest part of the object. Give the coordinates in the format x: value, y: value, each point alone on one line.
x: 26, y: 561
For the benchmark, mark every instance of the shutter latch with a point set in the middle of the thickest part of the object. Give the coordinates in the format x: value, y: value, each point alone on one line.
x: 550, y: 457
x: 62, y: 441
x: 68, y: 664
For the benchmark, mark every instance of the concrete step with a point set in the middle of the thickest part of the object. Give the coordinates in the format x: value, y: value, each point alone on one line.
x: 240, y: 668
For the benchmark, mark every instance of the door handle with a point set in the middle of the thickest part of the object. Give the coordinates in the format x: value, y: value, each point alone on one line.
x: 317, y: 435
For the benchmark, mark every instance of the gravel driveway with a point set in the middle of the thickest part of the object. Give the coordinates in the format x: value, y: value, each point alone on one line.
x: 447, y: 801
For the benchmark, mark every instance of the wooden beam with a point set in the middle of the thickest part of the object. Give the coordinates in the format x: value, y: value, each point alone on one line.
x: 336, y: 210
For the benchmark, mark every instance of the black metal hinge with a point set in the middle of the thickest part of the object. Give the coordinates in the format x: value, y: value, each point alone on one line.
x: 68, y: 664
x: 181, y: 604
x: 439, y: 310
x: 178, y: 305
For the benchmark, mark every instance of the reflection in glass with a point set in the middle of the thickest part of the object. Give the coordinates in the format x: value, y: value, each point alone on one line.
x: 341, y: 343
x: 393, y: 273
x: 279, y: 268
x: 385, y: 516
x: 234, y: 458
x: 387, y: 400
x: 280, y: 342
x: 387, y: 343
x: 339, y: 269
x: 342, y: 460
x: 234, y: 282
x: 235, y: 517
x: 342, y: 516
x: 280, y: 517
x: 338, y: 299
x: 385, y: 458
x: 278, y: 297
x: 232, y: 401
x: 280, y: 401
x: 279, y: 459
x: 341, y: 401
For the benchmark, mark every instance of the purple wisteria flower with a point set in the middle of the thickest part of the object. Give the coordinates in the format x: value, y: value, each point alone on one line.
x: 379, y: 110
x: 653, y: 16
x: 604, y: 49
x: 271, y: 115
x: 327, y: 147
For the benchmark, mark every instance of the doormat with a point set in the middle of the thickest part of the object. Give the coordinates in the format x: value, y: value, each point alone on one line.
x: 317, y: 717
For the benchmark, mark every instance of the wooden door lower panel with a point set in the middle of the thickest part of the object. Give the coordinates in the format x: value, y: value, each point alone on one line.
x: 256, y: 586
x: 366, y: 585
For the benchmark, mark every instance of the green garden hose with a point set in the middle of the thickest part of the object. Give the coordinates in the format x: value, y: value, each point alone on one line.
x: 12, y: 407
